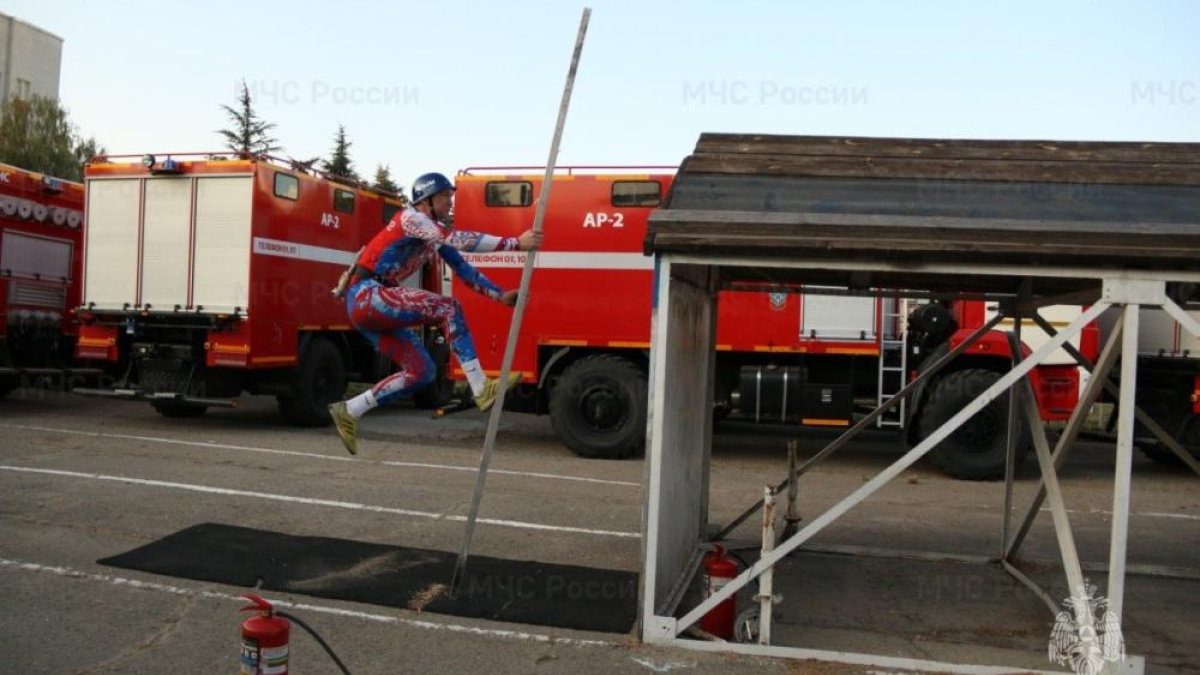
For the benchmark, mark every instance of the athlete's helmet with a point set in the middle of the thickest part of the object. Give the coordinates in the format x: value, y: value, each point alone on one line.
x: 429, y: 184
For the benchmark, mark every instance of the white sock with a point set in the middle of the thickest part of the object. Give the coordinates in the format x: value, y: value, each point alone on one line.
x: 359, y: 405
x: 475, y: 376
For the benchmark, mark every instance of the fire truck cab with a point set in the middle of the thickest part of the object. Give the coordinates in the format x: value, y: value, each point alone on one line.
x: 208, y: 276
x: 784, y: 358
x: 41, y: 221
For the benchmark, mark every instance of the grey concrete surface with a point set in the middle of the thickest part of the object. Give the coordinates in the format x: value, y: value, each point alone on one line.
x: 84, y: 479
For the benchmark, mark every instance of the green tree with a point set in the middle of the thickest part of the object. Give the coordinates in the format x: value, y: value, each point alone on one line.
x: 248, y: 133
x: 36, y: 133
x: 339, y: 163
x: 383, y: 181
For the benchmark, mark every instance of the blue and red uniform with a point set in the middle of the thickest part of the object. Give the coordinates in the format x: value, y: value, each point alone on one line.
x: 388, y: 313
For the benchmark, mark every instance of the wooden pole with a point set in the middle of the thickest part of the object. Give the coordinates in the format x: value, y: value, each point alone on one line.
x: 514, y: 328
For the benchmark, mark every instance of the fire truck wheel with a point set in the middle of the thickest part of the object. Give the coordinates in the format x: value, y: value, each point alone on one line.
x: 598, y: 407
x: 319, y: 381
x: 179, y: 410
x: 8, y: 383
x: 1189, y: 438
x: 977, y: 450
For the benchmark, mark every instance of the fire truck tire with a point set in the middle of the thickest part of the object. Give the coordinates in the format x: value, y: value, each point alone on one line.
x: 8, y: 383
x: 977, y: 450
x: 441, y: 390
x: 319, y: 381
x: 598, y: 407
x: 1189, y: 438
x: 180, y: 410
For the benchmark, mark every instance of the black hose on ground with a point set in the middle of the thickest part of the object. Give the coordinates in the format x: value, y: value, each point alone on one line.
x: 317, y: 637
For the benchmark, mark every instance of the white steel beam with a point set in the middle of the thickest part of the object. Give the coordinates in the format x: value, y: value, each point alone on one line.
x: 1058, y: 507
x: 1185, y: 320
x: 1124, y: 468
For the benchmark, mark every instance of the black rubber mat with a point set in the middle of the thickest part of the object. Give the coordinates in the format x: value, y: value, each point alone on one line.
x: 520, y: 591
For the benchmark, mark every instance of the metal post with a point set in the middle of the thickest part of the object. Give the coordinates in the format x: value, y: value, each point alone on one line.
x: 766, y: 583
x: 1010, y: 461
x: 514, y: 329
x: 792, y: 516
x: 1123, y: 474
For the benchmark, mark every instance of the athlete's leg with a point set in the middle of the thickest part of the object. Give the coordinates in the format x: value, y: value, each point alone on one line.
x: 384, y: 309
x: 404, y: 347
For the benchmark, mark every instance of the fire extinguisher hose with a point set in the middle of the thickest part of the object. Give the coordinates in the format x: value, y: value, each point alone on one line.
x: 316, y: 636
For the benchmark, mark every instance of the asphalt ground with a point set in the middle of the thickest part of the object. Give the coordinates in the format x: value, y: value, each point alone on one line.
x: 84, y: 479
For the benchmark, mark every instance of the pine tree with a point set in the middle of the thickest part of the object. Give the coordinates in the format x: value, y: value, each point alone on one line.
x: 383, y: 181
x: 339, y: 164
x: 248, y: 135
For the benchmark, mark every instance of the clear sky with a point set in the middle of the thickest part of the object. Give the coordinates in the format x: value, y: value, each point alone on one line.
x: 445, y: 85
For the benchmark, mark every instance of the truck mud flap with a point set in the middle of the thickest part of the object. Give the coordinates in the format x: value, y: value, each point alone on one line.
x: 160, y: 397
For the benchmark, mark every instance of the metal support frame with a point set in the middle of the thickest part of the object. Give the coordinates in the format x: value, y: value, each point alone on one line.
x: 1066, y: 441
x: 1119, y: 289
x: 895, y: 469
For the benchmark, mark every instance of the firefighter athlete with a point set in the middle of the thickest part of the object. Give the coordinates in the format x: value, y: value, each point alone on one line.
x: 389, y: 314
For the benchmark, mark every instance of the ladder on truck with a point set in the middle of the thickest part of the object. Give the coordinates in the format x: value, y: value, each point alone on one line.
x: 893, y: 361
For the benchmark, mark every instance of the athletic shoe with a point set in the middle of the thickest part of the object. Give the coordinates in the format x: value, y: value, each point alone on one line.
x: 346, y: 425
x: 491, y: 389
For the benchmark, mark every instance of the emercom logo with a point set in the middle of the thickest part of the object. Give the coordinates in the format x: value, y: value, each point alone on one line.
x: 1086, y: 634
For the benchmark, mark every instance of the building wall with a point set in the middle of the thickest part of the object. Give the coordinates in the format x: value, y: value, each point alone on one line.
x: 30, y: 59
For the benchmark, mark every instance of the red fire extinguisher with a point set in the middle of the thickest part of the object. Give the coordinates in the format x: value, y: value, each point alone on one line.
x: 264, y: 639
x: 719, y: 570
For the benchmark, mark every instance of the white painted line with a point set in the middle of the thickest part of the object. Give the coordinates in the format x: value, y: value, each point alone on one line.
x: 314, y: 455
x: 322, y: 609
x: 1146, y: 514
x: 528, y: 474
x: 317, y: 502
x: 661, y: 668
x: 1180, y: 516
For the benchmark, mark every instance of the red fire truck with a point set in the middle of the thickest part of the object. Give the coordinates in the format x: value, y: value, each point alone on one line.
x: 41, y: 219
x: 209, y: 276
x: 785, y: 358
